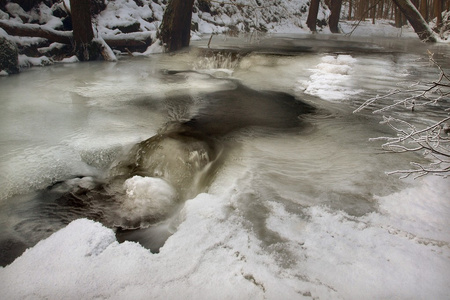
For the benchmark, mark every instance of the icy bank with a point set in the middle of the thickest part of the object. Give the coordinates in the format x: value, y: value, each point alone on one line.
x: 400, y: 252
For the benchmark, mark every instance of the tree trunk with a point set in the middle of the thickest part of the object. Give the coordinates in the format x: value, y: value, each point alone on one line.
x: 334, y: 17
x: 380, y: 10
x: 85, y: 48
x: 350, y: 7
x: 415, y: 19
x: 438, y: 13
x: 398, y: 17
x: 423, y: 8
x: 374, y: 11
x: 175, y: 29
x: 312, y: 15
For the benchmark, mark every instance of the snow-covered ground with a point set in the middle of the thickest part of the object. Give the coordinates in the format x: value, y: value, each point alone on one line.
x: 402, y: 252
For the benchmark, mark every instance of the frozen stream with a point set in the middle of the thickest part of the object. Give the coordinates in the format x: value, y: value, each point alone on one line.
x: 247, y: 177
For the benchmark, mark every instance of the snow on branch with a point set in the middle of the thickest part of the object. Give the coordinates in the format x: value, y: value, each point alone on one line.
x: 433, y: 140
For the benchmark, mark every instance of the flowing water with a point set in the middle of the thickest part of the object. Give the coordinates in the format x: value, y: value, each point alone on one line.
x: 127, y: 143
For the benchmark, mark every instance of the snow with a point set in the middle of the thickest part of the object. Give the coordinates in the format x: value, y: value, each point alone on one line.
x: 214, y: 254
x: 124, y: 13
x: 383, y: 28
x: 107, y: 52
x: 154, y: 48
x: 16, y: 10
x: 3, y: 15
x: 26, y: 61
x: 51, y: 47
x: 72, y: 59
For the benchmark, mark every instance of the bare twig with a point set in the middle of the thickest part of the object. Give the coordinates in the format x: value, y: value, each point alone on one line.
x: 433, y: 141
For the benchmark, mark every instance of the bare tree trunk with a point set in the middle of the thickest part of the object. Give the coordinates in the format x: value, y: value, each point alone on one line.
x: 361, y: 9
x: 374, y: 11
x: 312, y: 15
x: 438, y: 13
x: 415, y: 19
x: 85, y: 48
x: 334, y: 17
x: 380, y: 10
x: 175, y: 29
x: 350, y: 7
x: 423, y: 8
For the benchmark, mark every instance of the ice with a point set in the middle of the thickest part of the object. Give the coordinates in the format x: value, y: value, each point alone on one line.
x: 147, y: 197
x: 332, y: 79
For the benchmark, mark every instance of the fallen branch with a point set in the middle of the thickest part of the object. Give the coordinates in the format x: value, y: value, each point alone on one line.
x: 136, y: 39
x: 34, y: 30
x: 132, y: 40
x: 433, y: 140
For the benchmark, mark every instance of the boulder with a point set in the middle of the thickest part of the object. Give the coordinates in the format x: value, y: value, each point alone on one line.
x: 9, y: 56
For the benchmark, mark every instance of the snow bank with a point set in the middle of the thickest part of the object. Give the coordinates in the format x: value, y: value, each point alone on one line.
x: 400, y: 252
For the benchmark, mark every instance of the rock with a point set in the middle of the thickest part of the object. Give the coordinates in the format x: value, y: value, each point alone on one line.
x: 9, y: 56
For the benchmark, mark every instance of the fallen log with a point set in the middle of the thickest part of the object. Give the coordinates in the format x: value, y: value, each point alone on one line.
x: 34, y: 30
x: 130, y: 40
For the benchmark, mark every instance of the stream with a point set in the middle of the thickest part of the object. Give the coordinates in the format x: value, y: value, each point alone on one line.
x: 268, y: 126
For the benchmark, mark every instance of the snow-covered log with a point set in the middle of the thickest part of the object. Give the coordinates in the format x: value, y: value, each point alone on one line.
x: 106, y: 51
x: 131, y: 40
x: 34, y: 30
